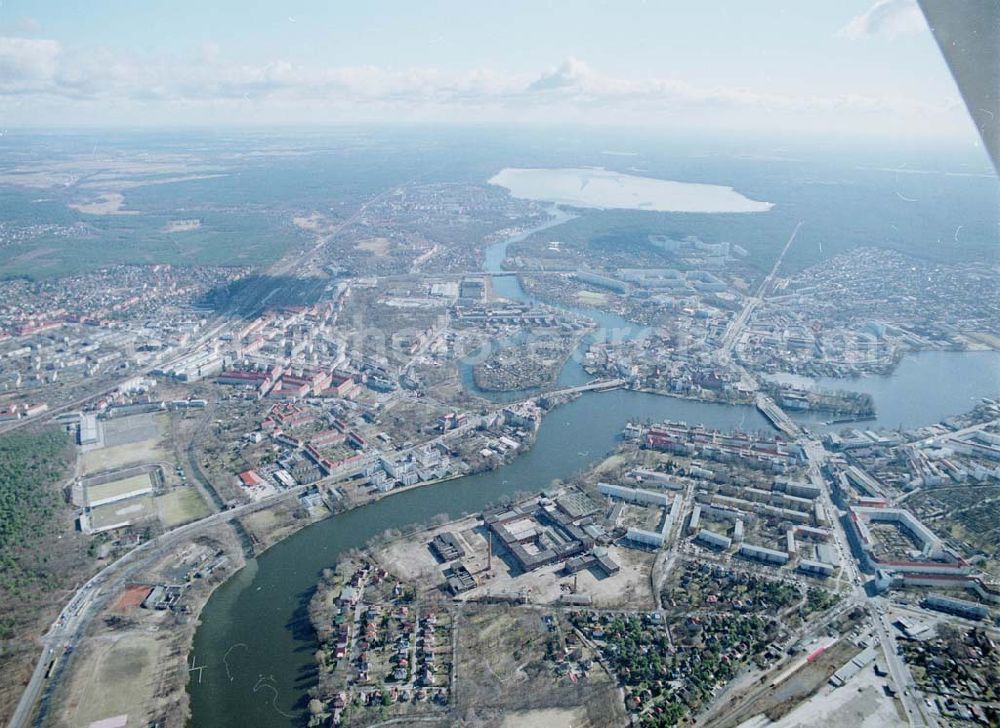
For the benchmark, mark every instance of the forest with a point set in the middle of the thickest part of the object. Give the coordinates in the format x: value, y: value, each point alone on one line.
x: 32, y: 514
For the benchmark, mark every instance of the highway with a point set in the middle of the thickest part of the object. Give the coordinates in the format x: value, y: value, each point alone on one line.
x: 736, y: 326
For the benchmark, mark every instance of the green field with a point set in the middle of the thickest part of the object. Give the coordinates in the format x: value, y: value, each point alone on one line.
x: 131, y: 510
x: 118, y: 488
x: 109, y: 458
x: 181, y: 505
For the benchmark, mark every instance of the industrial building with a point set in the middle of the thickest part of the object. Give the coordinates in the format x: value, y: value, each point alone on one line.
x: 853, y: 667
x: 447, y: 547
x: 598, y: 557
x: 539, y: 537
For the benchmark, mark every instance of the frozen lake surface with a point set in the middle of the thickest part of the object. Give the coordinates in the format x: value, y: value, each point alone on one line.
x: 600, y: 188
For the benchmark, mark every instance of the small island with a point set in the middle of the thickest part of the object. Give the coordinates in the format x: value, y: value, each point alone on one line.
x: 527, y: 366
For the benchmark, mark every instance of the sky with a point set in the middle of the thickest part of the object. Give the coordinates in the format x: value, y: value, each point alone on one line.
x: 861, y: 67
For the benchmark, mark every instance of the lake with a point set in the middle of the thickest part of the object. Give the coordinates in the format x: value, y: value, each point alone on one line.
x: 603, y: 189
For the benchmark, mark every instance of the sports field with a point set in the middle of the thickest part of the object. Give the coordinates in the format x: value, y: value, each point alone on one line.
x: 591, y: 298
x: 118, y: 488
x: 131, y: 510
x: 129, y: 441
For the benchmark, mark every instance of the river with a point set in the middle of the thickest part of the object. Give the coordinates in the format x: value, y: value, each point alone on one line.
x: 255, y: 639
x: 926, y: 387
x: 609, y: 325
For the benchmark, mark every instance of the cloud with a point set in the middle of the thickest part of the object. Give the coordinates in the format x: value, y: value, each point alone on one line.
x: 28, y: 25
x: 27, y: 64
x: 886, y: 18
x: 570, y: 73
x: 39, y: 77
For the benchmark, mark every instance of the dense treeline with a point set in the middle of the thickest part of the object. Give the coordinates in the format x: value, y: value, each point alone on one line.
x: 30, y: 466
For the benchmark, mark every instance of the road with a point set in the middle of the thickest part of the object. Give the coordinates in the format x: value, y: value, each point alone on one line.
x: 777, y: 417
x: 588, y: 387
x: 84, y: 605
x: 736, y: 326
x: 80, y: 610
x: 944, y: 437
x: 721, y: 710
x: 898, y: 670
x: 75, y: 615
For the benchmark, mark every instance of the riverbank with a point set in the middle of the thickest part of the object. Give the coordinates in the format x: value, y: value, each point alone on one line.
x: 153, y: 645
x: 392, y: 643
x: 268, y: 608
x: 133, y: 657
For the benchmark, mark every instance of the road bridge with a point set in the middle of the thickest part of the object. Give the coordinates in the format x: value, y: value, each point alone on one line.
x: 777, y: 417
x: 595, y: 386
